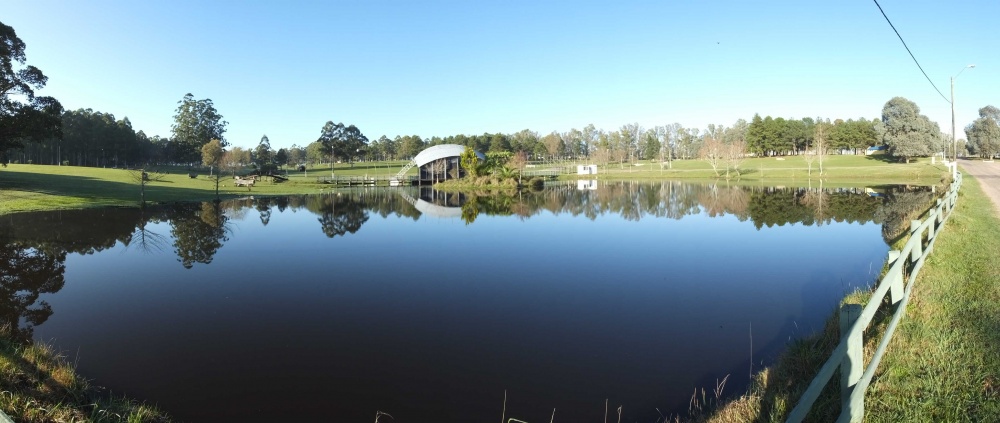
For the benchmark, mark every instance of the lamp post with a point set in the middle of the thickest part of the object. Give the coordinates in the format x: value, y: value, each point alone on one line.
x: 954, y: 141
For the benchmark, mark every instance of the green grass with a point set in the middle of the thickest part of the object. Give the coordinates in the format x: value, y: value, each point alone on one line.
x: 40, y: 187
x: 37, y: 385
x: 944, y: 362
x: 841, y: 169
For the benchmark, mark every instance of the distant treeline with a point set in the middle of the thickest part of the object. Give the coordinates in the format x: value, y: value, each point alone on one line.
x: 91, y: 138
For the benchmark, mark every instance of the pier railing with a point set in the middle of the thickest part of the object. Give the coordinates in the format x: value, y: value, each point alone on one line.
x: 848, y: 356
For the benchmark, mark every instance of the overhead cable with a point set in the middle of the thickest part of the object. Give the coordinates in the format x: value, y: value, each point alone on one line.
x: 911, y: 53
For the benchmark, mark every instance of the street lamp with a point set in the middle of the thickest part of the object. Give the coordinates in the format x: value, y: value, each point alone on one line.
x: 954, y: 140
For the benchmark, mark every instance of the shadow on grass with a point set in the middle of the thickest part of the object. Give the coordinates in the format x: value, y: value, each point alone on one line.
x: 884, y: 158
x: 99, y: 190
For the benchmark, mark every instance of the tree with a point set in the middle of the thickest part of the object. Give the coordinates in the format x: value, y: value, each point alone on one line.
x: 984, y: 133
x: 554, y: 145
x: 195, y: 124
x: 905, y: 131
x: 519, y: 161
x: 211, y: 156
x: 735, y: 147
x: 470, y: 161
x: 341, y: 141
x: 23, y: 116
x: 143, y: 176
x: 263, y: 156
x: 316, y: 153
x: 651, y: 145
x: 589, y: 139
x: 296, y: 155
x: 281, y: 157
x: 853, y: 135
x: 713, y: 151
x: 820, y: 144
x: 234, y: 159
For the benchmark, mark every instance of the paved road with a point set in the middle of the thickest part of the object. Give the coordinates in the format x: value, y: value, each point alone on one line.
x: 988, y: 175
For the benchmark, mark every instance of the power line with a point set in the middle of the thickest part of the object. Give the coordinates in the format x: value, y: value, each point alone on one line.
x: 911, y: 53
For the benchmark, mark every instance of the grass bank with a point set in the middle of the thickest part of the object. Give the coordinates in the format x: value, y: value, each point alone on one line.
x: 41, y: 187
x: 943, y: 363
x: 37, y: 385
x: 856, y: 170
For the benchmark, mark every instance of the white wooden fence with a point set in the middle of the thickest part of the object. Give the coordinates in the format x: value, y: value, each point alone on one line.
x: 849, y: 353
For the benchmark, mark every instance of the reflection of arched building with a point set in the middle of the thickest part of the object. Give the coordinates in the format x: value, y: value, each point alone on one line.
x: 441, y: 162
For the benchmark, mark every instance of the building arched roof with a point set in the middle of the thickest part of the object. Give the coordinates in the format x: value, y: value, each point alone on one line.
x: 441, y: 151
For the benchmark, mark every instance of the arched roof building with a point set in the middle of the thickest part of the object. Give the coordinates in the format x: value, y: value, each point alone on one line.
x: 441, y: 162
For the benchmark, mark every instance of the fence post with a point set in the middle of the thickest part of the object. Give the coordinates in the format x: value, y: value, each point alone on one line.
x: 918, y: 241
x: 852, y: 365
x: 895, y: 278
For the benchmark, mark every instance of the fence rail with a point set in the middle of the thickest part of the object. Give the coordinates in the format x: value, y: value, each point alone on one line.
x: 848, y: 356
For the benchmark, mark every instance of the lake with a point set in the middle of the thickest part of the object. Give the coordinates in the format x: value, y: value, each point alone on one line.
x: 433, y: 306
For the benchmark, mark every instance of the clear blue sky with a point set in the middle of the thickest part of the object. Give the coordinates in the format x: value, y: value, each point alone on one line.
x: 438, y: 68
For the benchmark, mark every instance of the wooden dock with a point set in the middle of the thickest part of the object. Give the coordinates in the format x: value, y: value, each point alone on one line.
x: 380, y: 180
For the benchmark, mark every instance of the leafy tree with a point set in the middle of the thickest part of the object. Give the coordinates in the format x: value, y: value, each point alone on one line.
x: 554, y: 144
x: 905, y: 131
x: 470, y: 161
x: 296, y: 155
x: 524, y: 140
x: 234, y: 159
x: 853, y: 135
x: 496, y: 162
x: 651, y: 145
x: 342, y: 141
x: 263, y: 156
x: 316, y: 153
x: 281, y: 157
x: 23, y: 116
x: 984, y: 133
x: 211, y: 156
x: 409, y: 146
x: 196, y: 122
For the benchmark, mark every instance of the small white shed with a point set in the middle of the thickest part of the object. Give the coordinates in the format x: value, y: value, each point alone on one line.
x: 586, y: 169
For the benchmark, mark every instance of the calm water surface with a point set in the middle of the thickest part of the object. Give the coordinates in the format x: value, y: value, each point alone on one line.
x: 430, y: 306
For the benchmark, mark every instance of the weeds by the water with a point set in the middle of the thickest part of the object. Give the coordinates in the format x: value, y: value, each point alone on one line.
x: 38, y: 385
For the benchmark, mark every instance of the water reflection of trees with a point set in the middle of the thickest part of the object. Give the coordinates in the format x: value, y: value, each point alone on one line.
x: 25, y: 274
x: 34, y: 246
x: 199, y: 231
x: 891, y: 206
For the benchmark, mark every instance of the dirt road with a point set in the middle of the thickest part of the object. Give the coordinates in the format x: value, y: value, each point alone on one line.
x: 988, y: 175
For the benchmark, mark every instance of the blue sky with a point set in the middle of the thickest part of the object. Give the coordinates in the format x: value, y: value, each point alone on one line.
x: 438, y: 68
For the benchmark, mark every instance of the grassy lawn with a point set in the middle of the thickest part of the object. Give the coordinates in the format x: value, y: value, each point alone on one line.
x: 860, y: 169
x: 40, y: 187
x: 943, y: 364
